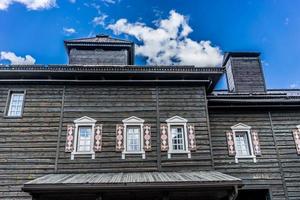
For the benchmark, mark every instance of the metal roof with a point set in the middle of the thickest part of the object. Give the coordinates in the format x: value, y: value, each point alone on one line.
x: 99, y: 39
x: 160, y: 179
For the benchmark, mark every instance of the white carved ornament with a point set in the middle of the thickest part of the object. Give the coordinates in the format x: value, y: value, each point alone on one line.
x: 255, y: 143
x: 98, y: 138
x: 191, y: 137
x: 296, y: 134
x: 70, y: 138
x: 119, y: 137
x: 147, y: 137
x: 164, y: 137
x: 230, y: 143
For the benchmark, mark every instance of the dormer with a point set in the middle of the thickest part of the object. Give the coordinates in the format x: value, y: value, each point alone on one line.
x: 100, y: 50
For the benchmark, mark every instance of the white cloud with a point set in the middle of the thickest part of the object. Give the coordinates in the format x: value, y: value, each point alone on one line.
x: 286, y: 21
x: 100, y: 20
x: 69, y: 31
x: 72, y: 1
x: 294, y: 86
x: 109, y: 1
x: 17, y: 60
x: 169, y: 43
x: 30, y: 4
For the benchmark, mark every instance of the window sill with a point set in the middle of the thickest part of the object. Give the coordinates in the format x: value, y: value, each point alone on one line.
x: 12, y: 117
x: 245, y: 157
x: 179, y: 152
x: 134, y: 153
x: 82, y: 153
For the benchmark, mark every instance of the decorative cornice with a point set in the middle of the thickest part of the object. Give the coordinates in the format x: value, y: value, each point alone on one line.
x: 108, y: 68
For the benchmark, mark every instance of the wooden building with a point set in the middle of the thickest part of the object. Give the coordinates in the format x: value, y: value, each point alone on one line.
x: 103, y: 128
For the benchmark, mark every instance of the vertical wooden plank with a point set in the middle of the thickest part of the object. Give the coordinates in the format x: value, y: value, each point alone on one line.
x: 158, y: 151
x: 278, y: 157
x: 60, y: 128
x: 208, y: 129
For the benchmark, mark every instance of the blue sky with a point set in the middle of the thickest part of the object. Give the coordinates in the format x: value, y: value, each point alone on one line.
x: 271, y: 27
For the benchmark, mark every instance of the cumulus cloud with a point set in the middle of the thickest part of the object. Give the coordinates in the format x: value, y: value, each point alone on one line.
x: 30, y: 4
x: 17, y: 60
x: 72, y: 1
x: 69, y: 31
x: 100, y: 20
x: 169, y: 43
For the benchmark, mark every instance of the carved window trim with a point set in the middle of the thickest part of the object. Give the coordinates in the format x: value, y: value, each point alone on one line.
x: 240, y: 127
x: 133, y: 121
x: 84, y: 122
x: 178, y: 121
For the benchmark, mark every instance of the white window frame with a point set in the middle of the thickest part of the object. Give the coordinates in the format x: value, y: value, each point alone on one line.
x: 84, y: 121
x: 134, y: 121
x: 177, y: 121
x: 11, y: 94
x: 240, y: 127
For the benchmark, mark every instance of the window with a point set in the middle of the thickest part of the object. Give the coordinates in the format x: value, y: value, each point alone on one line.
x: 177, y: 138
x: 84, y: 139
x: 84, y: 136
x: 178, y: 142
x: 243, y: 142
x: 133, y: 136
x: 15, y: 107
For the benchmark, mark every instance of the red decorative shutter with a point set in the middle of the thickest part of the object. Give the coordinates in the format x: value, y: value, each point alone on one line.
x: 70, y: 138
x: 119, y: 137
x: 164, y: 137
x: 191, y: 137
x: 296, y: 134
x: 255, y: 143
x: 98, y: 138
x: 230, y: 143
x: 147, y: 137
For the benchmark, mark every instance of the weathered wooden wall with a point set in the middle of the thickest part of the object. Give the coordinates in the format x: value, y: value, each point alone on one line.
x: 28, y: 144
x: 284, y: 121
x: 98, y: 57
x: 244, y: 74
x: 278, y: 167
x: 109, y: 105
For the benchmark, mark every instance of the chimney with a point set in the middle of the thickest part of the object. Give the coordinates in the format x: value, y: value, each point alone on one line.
x: 244, y: 72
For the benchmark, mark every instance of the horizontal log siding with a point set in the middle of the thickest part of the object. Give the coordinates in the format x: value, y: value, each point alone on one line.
x: 27, y: 145
x: 284, y: 121
x: 263, y: 174
x: 109, y: 106
x: 189, y: 103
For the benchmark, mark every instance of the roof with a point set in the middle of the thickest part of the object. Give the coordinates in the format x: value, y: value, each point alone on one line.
x: 133, y: 179
x: 272, y: 98
x: 111, y: 73
x: 98, y: 39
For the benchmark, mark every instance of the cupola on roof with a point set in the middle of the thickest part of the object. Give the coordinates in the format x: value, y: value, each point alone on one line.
x: 100, y: 50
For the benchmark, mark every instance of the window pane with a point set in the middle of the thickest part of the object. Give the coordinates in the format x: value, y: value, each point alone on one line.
x: 133, y: 136
x: 242, y: 143
x: 16, y: 104
x: 84, y: 139
x: 177, y: 137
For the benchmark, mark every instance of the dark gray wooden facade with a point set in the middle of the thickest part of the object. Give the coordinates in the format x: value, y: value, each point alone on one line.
x: 34, y: 145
